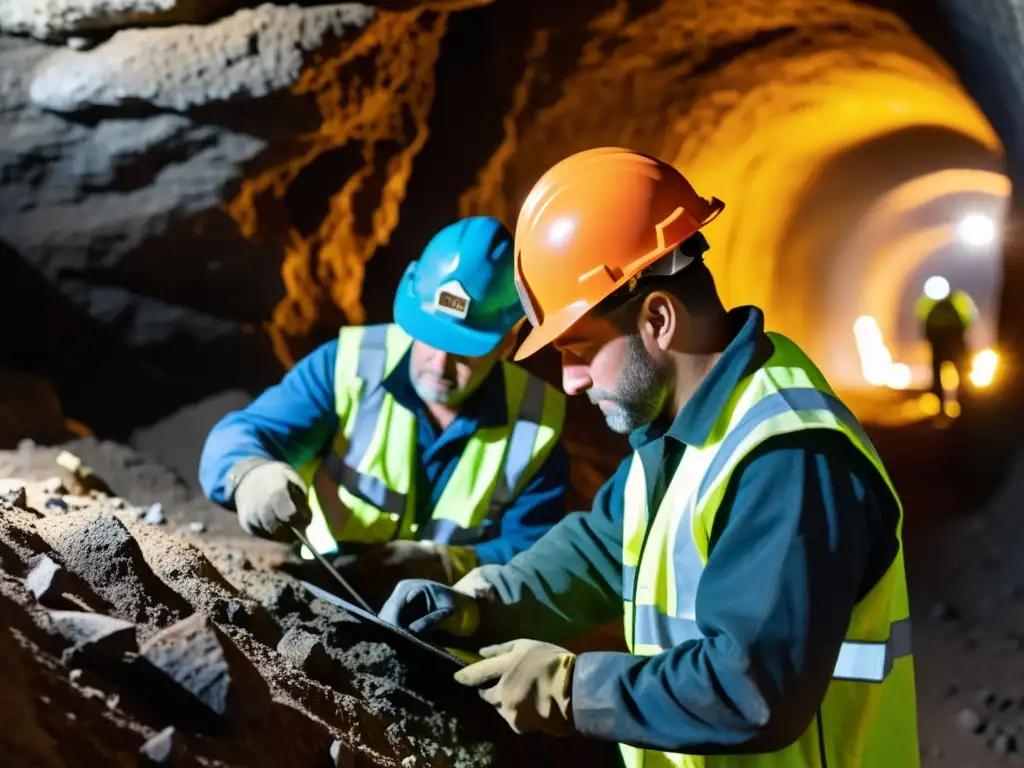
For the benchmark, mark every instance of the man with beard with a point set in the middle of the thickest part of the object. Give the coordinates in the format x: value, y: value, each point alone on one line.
x: 411, y: 449
x: 751, y: 542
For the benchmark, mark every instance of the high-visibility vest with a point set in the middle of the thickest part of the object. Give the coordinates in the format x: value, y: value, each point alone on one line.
x: 362, y: 490
x: 868, y: 717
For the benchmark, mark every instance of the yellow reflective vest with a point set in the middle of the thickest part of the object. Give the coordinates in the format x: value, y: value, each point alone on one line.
x: 363, y: 489
x: 868, y: 717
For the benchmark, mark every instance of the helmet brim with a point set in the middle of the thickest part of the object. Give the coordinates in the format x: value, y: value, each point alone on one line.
x: 556, y: 324
x: 550, y: 329
x: 439, y: 330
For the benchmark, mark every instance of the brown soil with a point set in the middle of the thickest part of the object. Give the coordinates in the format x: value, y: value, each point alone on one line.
x: 387, y: 705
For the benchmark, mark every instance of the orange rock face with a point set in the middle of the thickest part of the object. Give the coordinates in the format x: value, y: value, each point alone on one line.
x: 754, y: 101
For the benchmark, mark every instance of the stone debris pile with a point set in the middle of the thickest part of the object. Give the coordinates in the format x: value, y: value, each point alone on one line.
x: 123, y: 641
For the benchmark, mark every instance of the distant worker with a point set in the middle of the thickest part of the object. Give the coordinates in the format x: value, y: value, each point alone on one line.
x: 412, y: 449
x: 751, y: 543
x: 946, y: 316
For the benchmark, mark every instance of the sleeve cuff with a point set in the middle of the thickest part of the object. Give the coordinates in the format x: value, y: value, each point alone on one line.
x: 597, y: 698
x: 239, y: 471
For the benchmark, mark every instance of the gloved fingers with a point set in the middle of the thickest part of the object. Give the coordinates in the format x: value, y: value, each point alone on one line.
x: 431, y: 621
x: 492, y: 696
x: 285, y: 508
x: 258, y: 521
x: 300, y: 502
x: 475, y: 583
x: 247, y: 526
x: 491, y: 651
x: 476, y: 675
x: 408, y: 602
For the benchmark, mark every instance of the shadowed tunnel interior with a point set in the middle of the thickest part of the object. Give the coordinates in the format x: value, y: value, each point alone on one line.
x: 196, y: 195
x: 802, y: 117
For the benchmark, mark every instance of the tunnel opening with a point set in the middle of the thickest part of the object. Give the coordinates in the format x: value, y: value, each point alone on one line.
x: 862, y: 205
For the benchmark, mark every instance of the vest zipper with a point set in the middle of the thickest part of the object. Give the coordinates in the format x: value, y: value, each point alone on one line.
x: 821, y: 741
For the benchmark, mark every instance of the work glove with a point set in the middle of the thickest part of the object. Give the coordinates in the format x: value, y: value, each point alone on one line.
x: 270, y: 497
x: 534, y: 684
x: 475, y: 582
x: 424, y: 606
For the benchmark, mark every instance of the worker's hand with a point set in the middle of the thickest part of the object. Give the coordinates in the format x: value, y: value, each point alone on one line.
x: 425, y: 606
x: 476, y: 583
x: 534, y: 684
x: 393, y: 561
x: 271, y: 497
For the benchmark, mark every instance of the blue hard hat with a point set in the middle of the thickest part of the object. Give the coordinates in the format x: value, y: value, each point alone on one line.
x: 460, y: 296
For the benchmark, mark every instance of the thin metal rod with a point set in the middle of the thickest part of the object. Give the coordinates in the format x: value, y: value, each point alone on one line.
x: 332, y: 570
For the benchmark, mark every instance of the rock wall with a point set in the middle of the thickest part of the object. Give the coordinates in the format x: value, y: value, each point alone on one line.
x: 195, y: 191
x: 153, y: 181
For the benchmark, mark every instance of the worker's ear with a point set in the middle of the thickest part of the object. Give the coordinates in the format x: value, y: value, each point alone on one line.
x: 658, y: 319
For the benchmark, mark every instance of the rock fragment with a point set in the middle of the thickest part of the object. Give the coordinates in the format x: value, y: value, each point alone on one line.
x: 154, y: 514
x: 14, y: 494
x: 985, y: 696
x: 79, y: 478
x: 99, y: 549
x: 251, y: 54
x: 161, y: 749
x: 970, y: 721
x: 306, y: 651
x: 56, y: 504
x: 196, y: 526
x: 54, y: 587
x: 96, y: 640
x: 283, y: 598
x: 20, y: 543
x: 1004, y: 742
x: 205, y: 664
x: 72, y: 19
x: 42, y: 580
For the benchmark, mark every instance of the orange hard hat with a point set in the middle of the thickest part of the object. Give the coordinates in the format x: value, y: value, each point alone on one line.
x: 592, y: 223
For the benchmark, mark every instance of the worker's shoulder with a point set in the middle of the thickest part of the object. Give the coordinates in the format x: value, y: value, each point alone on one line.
x: 829, y: 453
x: 550, y: 391
x: 377, y: 332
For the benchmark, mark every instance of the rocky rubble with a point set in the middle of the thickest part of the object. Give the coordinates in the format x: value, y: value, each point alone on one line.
x: 251, y: 54
x: 123, y: 642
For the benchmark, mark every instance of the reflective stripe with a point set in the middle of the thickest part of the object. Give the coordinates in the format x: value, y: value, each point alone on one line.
x: 518, y: 453
x: 655, y: 628
x: 858, y: 661
x: 441, y: 531
x: 628, y: 581
x: 687, y: 565
x: 520, y: 446
x: 796, y: 399
x: 370, y: 489
x: 372, y: 362
x: 871, y: 662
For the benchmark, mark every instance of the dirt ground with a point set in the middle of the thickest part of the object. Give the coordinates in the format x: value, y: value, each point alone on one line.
x: 269, y: 676
x: 378, y: 705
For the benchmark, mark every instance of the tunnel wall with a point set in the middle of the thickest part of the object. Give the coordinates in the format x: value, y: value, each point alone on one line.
x: 213, y: 235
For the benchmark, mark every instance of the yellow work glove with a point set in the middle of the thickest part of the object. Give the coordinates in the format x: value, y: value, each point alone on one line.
x: 534, y: 684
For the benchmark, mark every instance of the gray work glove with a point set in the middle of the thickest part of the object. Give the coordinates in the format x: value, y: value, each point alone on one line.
x: 270, y: 497
x: 425, y: 606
